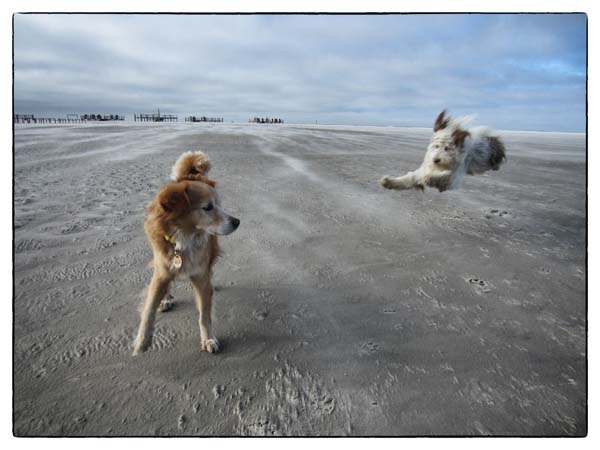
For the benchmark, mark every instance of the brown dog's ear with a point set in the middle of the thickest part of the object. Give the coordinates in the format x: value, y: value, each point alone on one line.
x: 459, y: 136
x: 441, y: 122
x: 175, y: 198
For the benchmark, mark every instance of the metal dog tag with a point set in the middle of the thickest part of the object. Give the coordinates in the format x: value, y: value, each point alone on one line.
x: 177, y: 261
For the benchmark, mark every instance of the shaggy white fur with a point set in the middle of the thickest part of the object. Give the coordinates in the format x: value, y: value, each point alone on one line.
x: 452, y: 153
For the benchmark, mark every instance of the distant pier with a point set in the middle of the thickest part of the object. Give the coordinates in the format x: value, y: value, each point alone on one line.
x: 155, y: 117
x: 30, y: 118
x: 203, y: 119
x: 100, y: 117
x: 71, y: 118
x: 265, y: 120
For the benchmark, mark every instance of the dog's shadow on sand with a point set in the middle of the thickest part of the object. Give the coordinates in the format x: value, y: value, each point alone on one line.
x: 239, y: 345
x: 239, y: 351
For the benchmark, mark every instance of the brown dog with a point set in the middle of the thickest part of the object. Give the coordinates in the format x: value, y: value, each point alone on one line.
x: 182, y: 224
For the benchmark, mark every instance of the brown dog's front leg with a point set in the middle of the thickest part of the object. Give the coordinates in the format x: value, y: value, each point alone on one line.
x: 204, y: 292
x: 159, y: 287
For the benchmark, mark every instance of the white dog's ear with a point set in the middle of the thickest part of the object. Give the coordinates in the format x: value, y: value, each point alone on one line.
x: 458, y: 136
x: 441, y: 122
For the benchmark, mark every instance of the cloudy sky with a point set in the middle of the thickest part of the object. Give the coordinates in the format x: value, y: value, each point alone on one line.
x: 519, y: 72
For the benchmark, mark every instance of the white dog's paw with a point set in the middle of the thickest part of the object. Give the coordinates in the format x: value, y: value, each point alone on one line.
x: 210, y: 345
x: 386, y: 182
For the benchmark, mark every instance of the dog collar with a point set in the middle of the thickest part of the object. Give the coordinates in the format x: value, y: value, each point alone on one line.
x: 177, y: 260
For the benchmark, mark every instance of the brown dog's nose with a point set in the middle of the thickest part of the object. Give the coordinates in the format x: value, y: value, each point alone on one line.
x: 437, y: 160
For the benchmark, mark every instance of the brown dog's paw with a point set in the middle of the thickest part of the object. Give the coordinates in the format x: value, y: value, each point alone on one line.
x: 166, y: 304
x: 140, y: 346
x: 210, y: 345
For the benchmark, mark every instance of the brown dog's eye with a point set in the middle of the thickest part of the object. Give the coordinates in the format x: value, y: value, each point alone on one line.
x: 208, y: 207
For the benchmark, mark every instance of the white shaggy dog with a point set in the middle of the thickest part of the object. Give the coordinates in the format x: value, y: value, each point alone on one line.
x: 453, y: 151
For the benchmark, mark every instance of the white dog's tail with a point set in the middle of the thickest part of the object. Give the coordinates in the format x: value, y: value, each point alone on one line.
x: 462, y: 122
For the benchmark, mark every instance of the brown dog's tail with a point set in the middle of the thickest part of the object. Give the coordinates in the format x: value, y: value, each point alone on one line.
x: 193, y: 166
x: 497, y: 154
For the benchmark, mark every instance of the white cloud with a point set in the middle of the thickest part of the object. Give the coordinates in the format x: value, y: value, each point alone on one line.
x: 397, y: 70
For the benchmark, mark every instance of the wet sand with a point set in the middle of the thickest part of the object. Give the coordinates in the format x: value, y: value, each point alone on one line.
x: 342, y: 308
